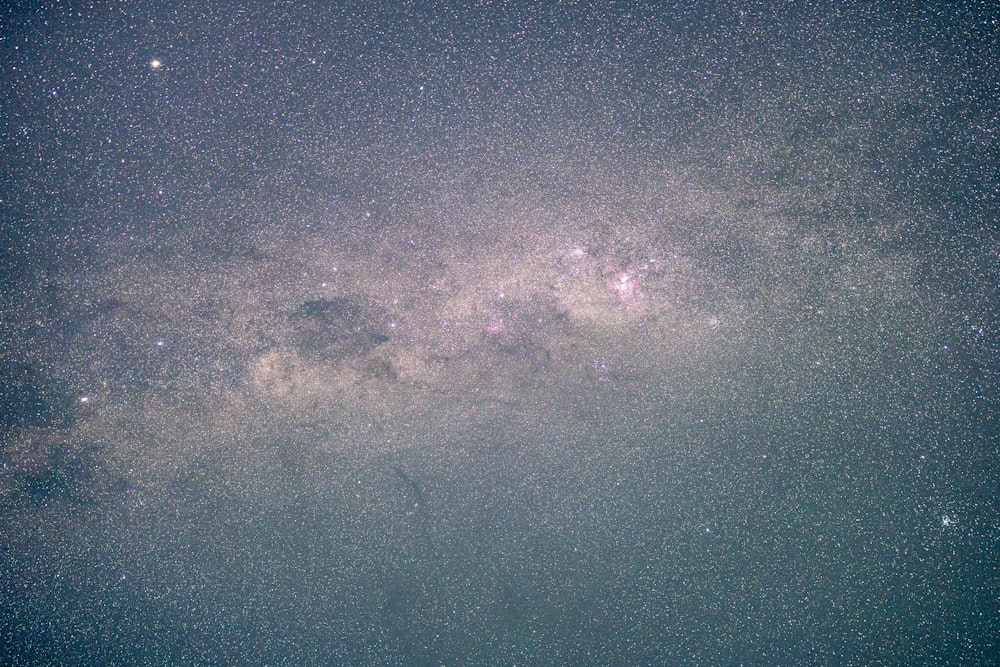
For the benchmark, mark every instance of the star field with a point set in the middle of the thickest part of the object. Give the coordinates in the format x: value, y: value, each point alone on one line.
x: 573, y: 333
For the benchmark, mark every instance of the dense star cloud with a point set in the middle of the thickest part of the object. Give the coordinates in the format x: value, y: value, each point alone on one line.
x: 415, y: 333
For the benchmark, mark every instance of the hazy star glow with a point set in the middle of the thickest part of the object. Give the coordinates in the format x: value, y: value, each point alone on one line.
x: 535, y: 333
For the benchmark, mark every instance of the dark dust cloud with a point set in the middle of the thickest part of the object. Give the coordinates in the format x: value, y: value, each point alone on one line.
x: 515, y: 334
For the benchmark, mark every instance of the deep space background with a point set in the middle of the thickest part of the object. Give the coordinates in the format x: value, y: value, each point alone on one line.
x: 499, y: 333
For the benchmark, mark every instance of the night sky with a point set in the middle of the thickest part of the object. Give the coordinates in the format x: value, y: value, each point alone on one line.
x: 499, y: 333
